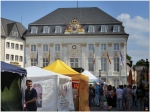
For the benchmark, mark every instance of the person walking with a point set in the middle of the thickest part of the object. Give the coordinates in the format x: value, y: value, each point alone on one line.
x: 119, y: 93
x: 97, y: 93
x: 114, y: 97
x: 140, y: 97
x: 109, y: 96
x: 125, y: 97
x: 101, y: 95
x: 91, y: 95
x: 134, y: 95
x: 30, y: 97
x: 129, y: 97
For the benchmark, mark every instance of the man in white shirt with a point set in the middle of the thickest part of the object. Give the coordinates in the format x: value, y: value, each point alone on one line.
x: 119, y: 93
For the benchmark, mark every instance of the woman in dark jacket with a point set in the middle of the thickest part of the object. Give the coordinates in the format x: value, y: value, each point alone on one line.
x: 114, y: 97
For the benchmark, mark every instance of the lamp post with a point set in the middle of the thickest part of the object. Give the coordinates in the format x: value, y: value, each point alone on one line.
x: 99, y: 76
x: 134, y: 74
x: 142, y: 74
x: 147, y: 68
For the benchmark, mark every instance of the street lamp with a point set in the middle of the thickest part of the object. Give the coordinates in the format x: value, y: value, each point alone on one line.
x: 147, y: 68
x: 99, y: 76
x: 134, y: 74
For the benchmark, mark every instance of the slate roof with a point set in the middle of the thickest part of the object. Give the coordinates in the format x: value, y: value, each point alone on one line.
x: 85, y: 16
x: 92, y: 15
x: 8, y: 24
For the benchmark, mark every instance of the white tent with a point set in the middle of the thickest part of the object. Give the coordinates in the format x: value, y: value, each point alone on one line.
x: 54, y: 90
x: 92, y: 78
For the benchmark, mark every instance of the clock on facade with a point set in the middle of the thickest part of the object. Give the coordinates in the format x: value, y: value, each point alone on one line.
x: 74, y: 47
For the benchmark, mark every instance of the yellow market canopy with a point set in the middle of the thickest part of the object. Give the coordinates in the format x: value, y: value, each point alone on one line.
x: 62, y: 68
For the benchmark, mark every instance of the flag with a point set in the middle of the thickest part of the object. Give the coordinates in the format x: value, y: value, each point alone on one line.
x: 94, y: 61
x: 37, y: 57
x: 121, y: 59
x: 49, y: 56
x: 108, y: 56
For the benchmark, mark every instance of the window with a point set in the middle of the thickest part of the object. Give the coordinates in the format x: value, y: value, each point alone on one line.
x: 33, y: 47
x: 57, y: 47
x: 45, y: 62
x: 17, y: 46
x: 91, y: 64
x: 91, y: 29
x: 7, y: 56
x: 33, y: 61
x: 12, y: 57
x: 21, y: 58
x: 116, y: 46
x: 103, y: 64
x: 58, y: 29
x: 45, y: 47
x: 103, y: 28
x: 116, y: 64
x: 103, y: 47
x: 34, y: 29
x: 7, y: 44
x: 46, y: 29
x: 14, y: 34
x: 91, y: 47
x: 16, y: 58
x: 115, y: 28
x: 21, y: 47
x: 12, y: 45
x: 74, y: 62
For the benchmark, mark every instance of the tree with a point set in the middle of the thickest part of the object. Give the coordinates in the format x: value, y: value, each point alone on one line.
x: 128, y: 57
x: 140, y: 62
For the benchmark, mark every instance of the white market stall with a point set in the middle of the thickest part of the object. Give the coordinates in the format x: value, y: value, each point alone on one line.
x: 54, y: 90
x: 92, y: 78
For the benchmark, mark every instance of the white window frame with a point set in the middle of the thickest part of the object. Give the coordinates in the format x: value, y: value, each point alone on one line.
x: 8, y: 44
x: 20, y: 58
x: 12, y: 57
x: 103, y: 64
x: 103, y: 47
x: 33, y: 47
x: 103, y: 28
x: 57, y: 47
x: 34, y: 29
x: 45, y: 47
x: 16, y: 46
x: 21, y: 47
x: 13, y: 45
x: 116, y: 28
x: 116, y: 46
x: 16, y: 57
x: 7, y: 56
x: 58, y: 29
x: 116, y: 64
x: 14, y: 34
x: 33, y: 61
x: 91, y: 29
x: 74, y: 62
x: 91, y: 47
x: 46, y: 29
x: 45, y: 62
x: 91, y: 64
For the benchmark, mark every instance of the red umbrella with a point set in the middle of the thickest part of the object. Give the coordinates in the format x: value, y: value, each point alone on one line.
x: 130, y: 77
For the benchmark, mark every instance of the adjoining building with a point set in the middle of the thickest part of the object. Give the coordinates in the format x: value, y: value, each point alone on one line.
x: 80, y: 37
x: 12, y: 42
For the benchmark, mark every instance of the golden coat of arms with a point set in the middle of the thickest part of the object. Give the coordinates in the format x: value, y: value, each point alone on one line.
x: 74, y: 28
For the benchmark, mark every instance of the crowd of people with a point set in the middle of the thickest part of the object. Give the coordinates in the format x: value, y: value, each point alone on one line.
x: 122, y: 97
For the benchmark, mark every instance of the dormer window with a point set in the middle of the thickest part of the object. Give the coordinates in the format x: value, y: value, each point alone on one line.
x: 14, y: 34
x: 34, y: 29
x: 103, y: 28
x: 91, y: 29
x: 116, y: 28
x: 46, y: 29
x: 58, y: 29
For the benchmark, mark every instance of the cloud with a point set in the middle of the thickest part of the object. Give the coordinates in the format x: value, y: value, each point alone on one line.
x: 137, y: 28
x: 138, y: 41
